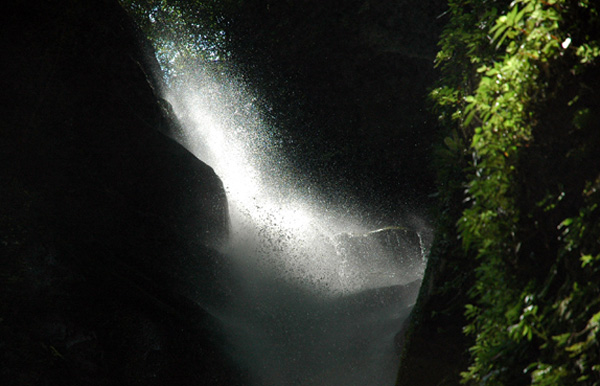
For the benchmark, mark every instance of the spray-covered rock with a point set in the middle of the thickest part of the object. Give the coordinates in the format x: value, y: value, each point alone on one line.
x: 385, y: 251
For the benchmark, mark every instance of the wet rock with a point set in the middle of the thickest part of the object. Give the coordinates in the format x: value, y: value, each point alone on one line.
x: 388, y: 249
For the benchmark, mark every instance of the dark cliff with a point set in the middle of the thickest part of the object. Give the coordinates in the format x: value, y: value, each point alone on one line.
x: 98, y: 209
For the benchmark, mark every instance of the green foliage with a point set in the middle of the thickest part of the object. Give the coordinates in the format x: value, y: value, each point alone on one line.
x: 514, y: 86
x: 183, y: 32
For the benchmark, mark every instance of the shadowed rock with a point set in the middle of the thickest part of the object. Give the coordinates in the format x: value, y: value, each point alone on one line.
x: 97, y: 209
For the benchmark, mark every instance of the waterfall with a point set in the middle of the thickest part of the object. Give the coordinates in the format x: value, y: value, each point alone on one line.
x: 316, y: 296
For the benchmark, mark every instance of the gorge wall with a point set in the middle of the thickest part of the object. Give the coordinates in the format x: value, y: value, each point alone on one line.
x: 100, y: 213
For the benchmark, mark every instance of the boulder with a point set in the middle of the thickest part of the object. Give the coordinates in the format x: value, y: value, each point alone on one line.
x: 385, y: 250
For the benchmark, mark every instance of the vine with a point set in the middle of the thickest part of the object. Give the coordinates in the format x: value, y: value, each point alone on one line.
x: 514, y: 87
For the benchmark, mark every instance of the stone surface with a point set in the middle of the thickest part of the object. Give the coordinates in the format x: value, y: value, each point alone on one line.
x: 98, y: 210
x: 388, y: 249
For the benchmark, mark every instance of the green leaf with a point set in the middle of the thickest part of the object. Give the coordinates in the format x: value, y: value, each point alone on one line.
x: 576, y: 348
x: 586, y: 260
x: 469, y: 118
x: 501, y: 28
x: 561, y: 339
x: 565, y: 223
x: 594, y: 320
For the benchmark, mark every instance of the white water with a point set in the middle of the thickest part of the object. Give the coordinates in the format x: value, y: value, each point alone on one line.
x: 305, y: 308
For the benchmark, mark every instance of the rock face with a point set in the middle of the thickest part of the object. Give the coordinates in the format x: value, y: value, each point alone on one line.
x: 98, y: 209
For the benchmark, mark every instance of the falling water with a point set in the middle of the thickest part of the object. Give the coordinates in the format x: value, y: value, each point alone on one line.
x: 315, y: 298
